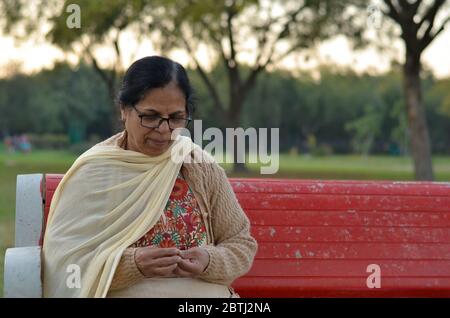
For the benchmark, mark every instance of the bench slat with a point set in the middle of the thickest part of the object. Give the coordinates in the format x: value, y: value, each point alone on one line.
x: 321, y: 202
x: 350, y: 234
x: 349, y: 267
x: 340, y: 218
x: 343, y: 250
x: 341, y: 187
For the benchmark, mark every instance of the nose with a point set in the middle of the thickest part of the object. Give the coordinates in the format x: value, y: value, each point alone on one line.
x: 164, y: 127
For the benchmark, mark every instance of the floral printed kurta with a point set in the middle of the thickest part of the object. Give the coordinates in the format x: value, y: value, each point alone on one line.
x: 181, y: 224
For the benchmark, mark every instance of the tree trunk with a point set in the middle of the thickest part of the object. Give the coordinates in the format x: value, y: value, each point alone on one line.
x: 238, y: 163
x: 116, y: 124
x: 110, y: 80
x: 420, y: 139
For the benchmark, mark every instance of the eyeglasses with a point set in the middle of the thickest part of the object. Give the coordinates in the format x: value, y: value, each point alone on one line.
x: 155, y: 121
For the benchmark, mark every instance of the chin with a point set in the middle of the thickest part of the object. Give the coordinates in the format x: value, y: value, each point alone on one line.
x: 155, y: 150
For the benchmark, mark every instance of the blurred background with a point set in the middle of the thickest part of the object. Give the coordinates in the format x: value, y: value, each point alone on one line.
x: 358, y: 89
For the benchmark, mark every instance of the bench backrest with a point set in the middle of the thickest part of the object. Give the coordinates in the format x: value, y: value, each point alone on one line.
x: 320, y: 238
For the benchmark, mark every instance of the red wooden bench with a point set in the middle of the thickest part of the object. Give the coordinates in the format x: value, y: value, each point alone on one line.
x: 323, y: 238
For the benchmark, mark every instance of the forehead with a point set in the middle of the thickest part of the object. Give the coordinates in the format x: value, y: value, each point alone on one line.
x: 167, y: 99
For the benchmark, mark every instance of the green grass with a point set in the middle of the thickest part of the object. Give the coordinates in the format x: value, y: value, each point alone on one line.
x: 291, y: 166
x: 349, y: 167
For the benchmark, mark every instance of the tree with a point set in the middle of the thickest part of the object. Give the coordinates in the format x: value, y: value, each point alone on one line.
x: 272, y: 30
x: 419, y: 27
x: 102, y: 25
x: 276, y: 29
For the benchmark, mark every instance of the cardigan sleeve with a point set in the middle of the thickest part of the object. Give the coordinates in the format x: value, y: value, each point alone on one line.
x: 127, y: 273
x: 234, y: 248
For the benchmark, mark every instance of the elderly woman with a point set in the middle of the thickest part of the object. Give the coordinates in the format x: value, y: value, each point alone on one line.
x: 128, y: 220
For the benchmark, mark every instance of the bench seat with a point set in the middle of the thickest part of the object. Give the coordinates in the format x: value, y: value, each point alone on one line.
x: 322, y: 238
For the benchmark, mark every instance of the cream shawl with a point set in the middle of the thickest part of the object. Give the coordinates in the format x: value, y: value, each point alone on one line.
x: 108, y: 199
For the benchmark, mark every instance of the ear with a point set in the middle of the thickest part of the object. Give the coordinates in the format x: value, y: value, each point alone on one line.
x: 123, y: 114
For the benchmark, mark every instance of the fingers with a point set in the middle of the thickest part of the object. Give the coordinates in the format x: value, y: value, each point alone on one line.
x: 164, y: 252
x: 195, y: 259
x: 166, y: 261
x: 148, y: 253
x: 191, y: 267
x: 165, y: 271
x: 153, y: 261
x: 181, y: 273
x: 190, y: 253
x: 159, y: 267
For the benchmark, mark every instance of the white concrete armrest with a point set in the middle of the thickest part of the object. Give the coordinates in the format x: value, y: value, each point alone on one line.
x: 23, y: 272
x: 29, y: 210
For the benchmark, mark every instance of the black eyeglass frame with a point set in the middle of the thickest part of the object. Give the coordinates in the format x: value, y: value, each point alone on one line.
x: 161, y: 120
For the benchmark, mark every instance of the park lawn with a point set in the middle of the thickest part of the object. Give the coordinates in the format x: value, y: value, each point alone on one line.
x: 291, y: 166
x: 349, y: 167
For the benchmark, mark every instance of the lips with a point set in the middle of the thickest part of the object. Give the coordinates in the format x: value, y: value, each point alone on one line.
x: 159, y: 142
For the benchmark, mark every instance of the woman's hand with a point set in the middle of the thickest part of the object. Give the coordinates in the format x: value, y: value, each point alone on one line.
x: 194, y: 262
x: 157, y: 262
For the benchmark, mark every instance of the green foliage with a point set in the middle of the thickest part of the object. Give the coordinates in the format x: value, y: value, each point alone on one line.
x: 345, y: 112
x: 365, y: 129
x: 49, y: 141
x: 53, y: 100
x: 99, y: 18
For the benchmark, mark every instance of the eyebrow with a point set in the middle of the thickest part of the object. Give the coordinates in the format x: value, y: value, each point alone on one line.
x: 179, y: 112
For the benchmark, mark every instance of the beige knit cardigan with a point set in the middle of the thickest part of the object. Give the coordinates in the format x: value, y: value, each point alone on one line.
x: 230, y: 245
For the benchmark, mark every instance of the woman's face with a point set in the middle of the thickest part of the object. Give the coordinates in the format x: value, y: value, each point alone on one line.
x: 168, y: 102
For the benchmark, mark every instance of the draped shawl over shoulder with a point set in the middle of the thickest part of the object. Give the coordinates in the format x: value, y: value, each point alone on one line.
x: 108, y: 199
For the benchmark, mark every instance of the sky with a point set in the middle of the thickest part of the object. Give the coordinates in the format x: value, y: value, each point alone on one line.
x: 32, y: 56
